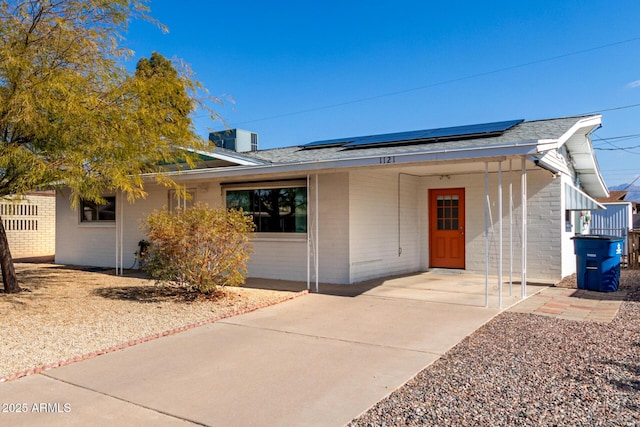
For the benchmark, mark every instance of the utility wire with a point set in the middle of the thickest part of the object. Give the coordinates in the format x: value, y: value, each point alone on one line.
x: 615, y: 147
x: 445, y: 82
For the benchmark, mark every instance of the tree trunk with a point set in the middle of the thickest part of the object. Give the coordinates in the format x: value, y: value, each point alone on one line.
x: 6, y: 262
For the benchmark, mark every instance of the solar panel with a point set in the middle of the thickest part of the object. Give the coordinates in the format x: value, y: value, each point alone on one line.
x: 418, y: 136
x: 328, y: 143
x: 449, y: 133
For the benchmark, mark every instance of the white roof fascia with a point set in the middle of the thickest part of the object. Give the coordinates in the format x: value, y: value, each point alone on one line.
x: 516, y: 149
x: 591, y: 121
x: 547, y: 145
x: 232, y: 159
x: 238, y: 160
x: 228, y: 158
x: 591, y: 178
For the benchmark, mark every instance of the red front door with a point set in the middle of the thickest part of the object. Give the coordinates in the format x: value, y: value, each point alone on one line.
x: 446, y: 228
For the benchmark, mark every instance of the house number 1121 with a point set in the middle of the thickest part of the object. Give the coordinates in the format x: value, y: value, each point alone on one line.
x: 387, y: 159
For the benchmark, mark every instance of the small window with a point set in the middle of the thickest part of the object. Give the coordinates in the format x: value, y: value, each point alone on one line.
x: 448, y: 217
x: 92, y: 211
x: 274, y: 210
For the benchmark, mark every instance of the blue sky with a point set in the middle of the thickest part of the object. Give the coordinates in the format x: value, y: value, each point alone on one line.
x: 302, y: 71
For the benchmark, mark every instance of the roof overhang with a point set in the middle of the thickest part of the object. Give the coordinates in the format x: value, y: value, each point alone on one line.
x: 234, y: 158
x: 578, y: 143
x: 524, y: 148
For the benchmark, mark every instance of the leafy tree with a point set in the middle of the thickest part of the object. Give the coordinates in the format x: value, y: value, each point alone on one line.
x: 71, y: 113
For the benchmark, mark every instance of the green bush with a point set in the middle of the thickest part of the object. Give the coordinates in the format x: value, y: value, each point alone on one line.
x: 199, y: 247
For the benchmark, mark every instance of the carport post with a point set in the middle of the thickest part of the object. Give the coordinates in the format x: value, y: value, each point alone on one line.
x: 486, y: 234
x: 524, y: 228
x: 316, y: 256
x: 119, y: 234
x: 308, y: 238
x: 500, y: 234
x: 510, y: 228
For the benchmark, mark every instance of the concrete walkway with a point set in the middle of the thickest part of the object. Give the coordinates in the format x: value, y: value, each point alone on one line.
x: 321, y: 359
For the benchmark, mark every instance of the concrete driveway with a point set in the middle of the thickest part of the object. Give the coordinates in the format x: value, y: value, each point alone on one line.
x: 320, y: 359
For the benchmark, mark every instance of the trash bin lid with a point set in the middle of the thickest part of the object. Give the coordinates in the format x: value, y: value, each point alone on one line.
x: 597, y: 237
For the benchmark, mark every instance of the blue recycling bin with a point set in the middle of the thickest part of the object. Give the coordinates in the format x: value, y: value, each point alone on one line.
x: 598, y: 262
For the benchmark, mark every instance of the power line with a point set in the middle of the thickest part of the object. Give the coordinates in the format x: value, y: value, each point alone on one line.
x: 622, y: 107
x: 445, y: 82
x: 615, y: 147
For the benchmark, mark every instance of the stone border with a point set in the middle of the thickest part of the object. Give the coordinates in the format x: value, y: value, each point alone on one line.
x: 42, y: 368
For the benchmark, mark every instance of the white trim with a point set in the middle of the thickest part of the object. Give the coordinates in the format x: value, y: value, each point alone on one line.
x: 523, y: 280
x: 486, y: 234
x: 317, y: 257
x: 475, y: 153
x: 308, y: 239
x: 259, y: 185
x: 500, y: 235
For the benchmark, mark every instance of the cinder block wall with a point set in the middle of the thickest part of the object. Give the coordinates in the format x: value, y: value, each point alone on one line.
x: 30, y: 224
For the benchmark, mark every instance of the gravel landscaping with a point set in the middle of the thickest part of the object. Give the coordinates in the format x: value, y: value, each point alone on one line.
x: 529, y: 370
x: 67, y: 314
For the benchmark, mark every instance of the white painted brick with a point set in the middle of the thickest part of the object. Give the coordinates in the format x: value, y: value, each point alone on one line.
x: 40, y: 209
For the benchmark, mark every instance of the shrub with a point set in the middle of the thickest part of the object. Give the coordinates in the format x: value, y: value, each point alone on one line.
x: 199, y: 247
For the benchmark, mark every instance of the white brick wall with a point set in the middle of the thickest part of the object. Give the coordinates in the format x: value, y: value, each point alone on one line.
x: 285, y: 257
x: 373, y: 224
x: 30, y: 225
x: 358, y: 224
x: 95, y: 243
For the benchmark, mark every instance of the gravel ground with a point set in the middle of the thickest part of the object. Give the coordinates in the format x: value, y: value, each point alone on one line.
x: 528, y: 370
x: 67, y: 313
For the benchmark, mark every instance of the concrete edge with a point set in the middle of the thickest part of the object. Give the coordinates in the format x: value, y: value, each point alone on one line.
x: 131, y: 343
x: 500, y: 311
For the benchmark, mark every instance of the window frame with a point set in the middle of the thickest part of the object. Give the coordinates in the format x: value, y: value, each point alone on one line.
x: 98, y: 211
x: 279, y: 185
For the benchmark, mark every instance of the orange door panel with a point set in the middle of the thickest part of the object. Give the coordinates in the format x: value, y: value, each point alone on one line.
x: 446, y: 228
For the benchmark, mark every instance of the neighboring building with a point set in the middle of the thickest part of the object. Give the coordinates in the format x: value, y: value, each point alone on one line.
x: 353, y: 209
x: 30, y: 223
x: 614, y: 196
x: 615, y: 220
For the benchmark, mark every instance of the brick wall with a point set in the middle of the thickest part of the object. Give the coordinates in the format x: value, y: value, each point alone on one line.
x: 381, y: 243
x: 30, y: 225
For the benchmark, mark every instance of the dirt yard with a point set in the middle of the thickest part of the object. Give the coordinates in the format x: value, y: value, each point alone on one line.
x: 67, y: 313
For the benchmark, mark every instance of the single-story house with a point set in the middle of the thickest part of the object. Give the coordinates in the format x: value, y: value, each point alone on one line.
x: 480, y: 198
